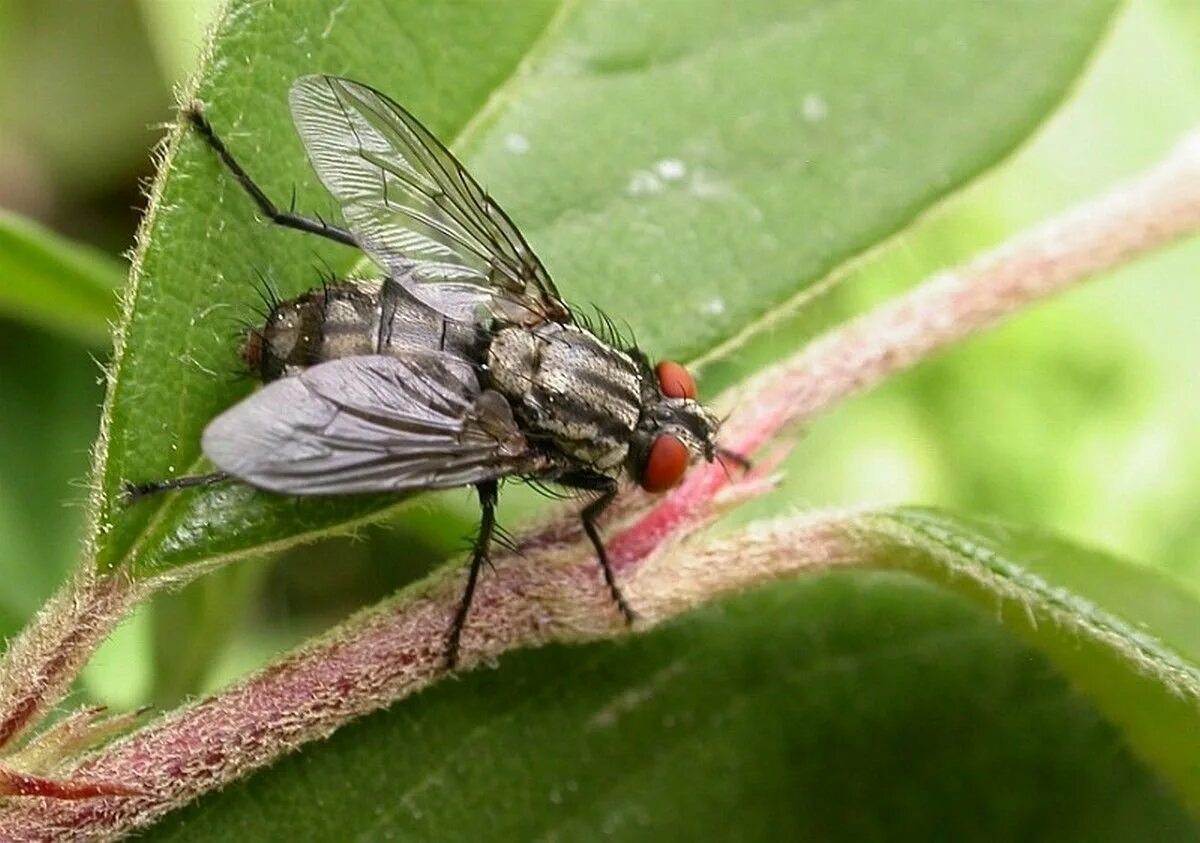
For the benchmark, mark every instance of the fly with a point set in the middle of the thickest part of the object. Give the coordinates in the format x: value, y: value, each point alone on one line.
x: 461, y: 367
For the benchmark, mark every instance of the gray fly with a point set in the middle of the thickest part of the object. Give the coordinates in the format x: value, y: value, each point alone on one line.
x: 461, y: 367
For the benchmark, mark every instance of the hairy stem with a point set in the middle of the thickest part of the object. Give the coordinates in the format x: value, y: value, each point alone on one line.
x: 553, y: 591
x: 41, y: 663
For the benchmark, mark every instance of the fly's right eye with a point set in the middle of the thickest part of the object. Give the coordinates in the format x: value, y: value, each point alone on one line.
x: 666, y: 463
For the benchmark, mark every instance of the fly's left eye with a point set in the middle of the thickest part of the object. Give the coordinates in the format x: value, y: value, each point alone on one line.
x: 674, y: 380
x: 665, y: 465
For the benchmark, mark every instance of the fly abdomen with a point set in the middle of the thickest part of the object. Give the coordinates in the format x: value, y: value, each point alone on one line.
x: 570, y: 389
x: 323, y: 324
x: 349, y: 319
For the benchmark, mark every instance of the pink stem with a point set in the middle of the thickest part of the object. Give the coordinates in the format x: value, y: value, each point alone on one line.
x: 42, y: 662
x: 24, y: 784
x: 379, y: 656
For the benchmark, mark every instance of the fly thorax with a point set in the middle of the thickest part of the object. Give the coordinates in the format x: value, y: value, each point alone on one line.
x: 573, y: 392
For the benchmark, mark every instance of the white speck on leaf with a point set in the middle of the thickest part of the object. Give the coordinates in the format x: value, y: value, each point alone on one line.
x: 671, y: 169
x: 642, y: 182
x: 714, y: 306
x: 516, y: 143
x: 814, y: 108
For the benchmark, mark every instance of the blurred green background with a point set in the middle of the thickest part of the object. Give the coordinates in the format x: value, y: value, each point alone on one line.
x: 1079, y: 416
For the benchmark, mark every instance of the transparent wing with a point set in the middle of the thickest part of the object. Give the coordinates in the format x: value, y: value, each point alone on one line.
x: 414, y: 208
x: 370, y: 424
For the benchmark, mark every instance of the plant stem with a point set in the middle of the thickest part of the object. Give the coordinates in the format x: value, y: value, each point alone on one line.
x: 553, y: 591
x: 41, y: 663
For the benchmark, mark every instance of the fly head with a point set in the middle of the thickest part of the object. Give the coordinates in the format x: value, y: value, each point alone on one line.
x: 675, y: 430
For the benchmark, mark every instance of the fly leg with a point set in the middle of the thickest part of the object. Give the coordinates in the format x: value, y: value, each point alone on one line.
x: 268, y: 208
x: 134, y: 492
x: 480, y: 554
x: 590, y: 513
x: 607, y: 487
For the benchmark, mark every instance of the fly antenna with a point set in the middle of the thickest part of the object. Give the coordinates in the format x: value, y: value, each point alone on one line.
x: 742, y: 461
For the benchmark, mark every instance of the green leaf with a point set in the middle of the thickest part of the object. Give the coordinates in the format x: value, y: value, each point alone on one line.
x: 689, y: 168
x: 1125, y: 635
x: 852, y: 706
x: 52, y: 282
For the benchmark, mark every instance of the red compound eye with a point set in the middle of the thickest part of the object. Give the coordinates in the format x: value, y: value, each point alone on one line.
x: 674, y: 380
x: 665, y: 464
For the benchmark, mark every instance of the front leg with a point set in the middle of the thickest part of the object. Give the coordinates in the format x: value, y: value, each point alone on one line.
x: 607, y: 487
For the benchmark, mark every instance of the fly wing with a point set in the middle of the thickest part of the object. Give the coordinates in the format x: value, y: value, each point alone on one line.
x: 370, y: 424
x: 414, y: 208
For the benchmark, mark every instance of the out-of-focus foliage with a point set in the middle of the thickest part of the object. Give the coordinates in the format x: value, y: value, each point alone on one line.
x: 49, y: 392
x: 79, y: 93
x: 57, y: 284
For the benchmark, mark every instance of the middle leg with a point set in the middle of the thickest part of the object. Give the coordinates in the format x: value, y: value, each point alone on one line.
x: 607, y: 487
x: 479, y: 555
